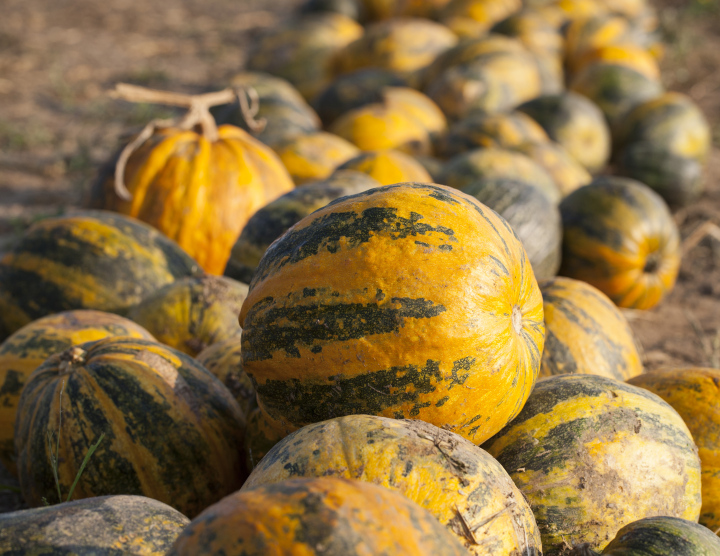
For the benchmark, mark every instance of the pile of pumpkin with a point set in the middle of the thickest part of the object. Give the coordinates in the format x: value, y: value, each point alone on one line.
x: 364, y: 377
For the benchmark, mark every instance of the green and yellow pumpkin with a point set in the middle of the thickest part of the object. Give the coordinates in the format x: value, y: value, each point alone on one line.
x: 586, y: 333
x: 100, y: 525
x: 274, y: 219
x: 197, y: 189
x: 474, y: 18
x: 326, y: 516
x: 619, y: 236
x: 567, y: 173
x: 388, y: 303
x: 533, y: 30
x: 494, y: 163
x: 387, y: 9
x: 315, y: 156
x: 304, y: 49
x: 92, y: 260
x: 456, y: 481
x: 388, y: 167
x: 663, y: 535
x: 576, y: 123
x: 193, y: 313
x: 173, y: 432
x: 25, y: 350
x: 693, y: 393
x: 592, y: 454
x: 629, y: 55
x: 223, y: 359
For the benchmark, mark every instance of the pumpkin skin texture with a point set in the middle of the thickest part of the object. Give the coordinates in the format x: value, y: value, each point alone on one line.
x: 567, y: 173
x: 693, y: 393
x: 441, y: 471
x: 414, y: 317
x: 591, y: 454
x: 274, y: 219
x: 92, y: 260
x: 280, y: 105
x: 494, y: 163
x: 658, y: 536
x: 224, y: 361
x: 474, y: 18
x: 585, y: 333
x: 199, y: 193
x: 505, y: 130
x: 387, y: 9
x: 630, y: 55
x: 576, y: 123
x: 173, y: 432
x: 615, y: 89
x: 403, y: 45
x: 388, y: 167
x: 314, y: 516
x: 101, y: 525
x: 29, y: 347
x: 535, y: 220
x: 193, y: 313
x: 303, y: 50
x: 314, y: 156
x: 619, y: 236
x: 261, y: 434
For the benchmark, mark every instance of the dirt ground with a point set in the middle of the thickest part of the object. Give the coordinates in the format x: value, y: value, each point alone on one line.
x: 57, y: 124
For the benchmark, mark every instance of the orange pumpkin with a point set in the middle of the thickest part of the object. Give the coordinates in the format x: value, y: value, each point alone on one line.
x: 388, y: 167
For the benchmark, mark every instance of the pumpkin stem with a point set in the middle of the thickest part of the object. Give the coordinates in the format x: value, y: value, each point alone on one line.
x: 198, y: 114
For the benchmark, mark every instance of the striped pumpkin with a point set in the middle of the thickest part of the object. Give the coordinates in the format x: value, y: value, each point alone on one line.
x: 326, y: 516
x: 456, y: 481
x: 363, y: 307
x: 25, y: 350
x: 664, y: 535
x: 274, y: 219
x: 99, y: 525
x: 567, y: 173
x: 172, y: 431
x: 193, y: 313
x: 93, y: 260
x: 693, y: 393
x: 314, y: 156
x: 197, y: 191
x: 619, y: 236
x: 585, y: 333
x: 591, y: 454
x: 388, y: 167
x: 223, y: 360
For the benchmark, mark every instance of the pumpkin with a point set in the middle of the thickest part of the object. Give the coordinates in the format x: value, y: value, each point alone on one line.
x: 504, y: 130
x: 586, y: 333
x: 592, y: 454
x: 474, y: 18
x: 493, y: 163
x: 630, y: 55
x: 199, y: 189
x: 533, y: 30
x: 101, y: 525
x: 664, y: 535
x: 693, y: 393
x: 353, y: 90
x: 665, y: 143
x: 388, y: 167
x: 615, y: 89
x: 314, y: 156
x: 567, y: 173
x: 491, y: 83
x: 402, y: 45
x: 281, y: 108
x: 262, y: 433
x: 354, y: 9
x: 314, y: 516
x: 619, y: 236
x: 303, y: 50
x: 172, y: 431
x: 364, y: 307
x: 223, y: 360
x: 25, y: 350
x: 585, y: 34
x: 193, y: 313
x: 576, y: 123
x: 552, y: 74
x: 533, y: 217
x: 456, y: 481
x: 433, y: 166
x: 387, y: 9
x: 274, y: 219
x: 91, y: 260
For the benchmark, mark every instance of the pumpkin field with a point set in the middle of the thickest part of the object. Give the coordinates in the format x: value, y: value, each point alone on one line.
x: 373, y: 277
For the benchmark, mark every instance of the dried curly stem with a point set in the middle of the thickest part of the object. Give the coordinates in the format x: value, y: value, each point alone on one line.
x: 198, y: 115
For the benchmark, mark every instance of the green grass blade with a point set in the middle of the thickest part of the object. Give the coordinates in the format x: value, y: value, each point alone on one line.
x: 89, y: 454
